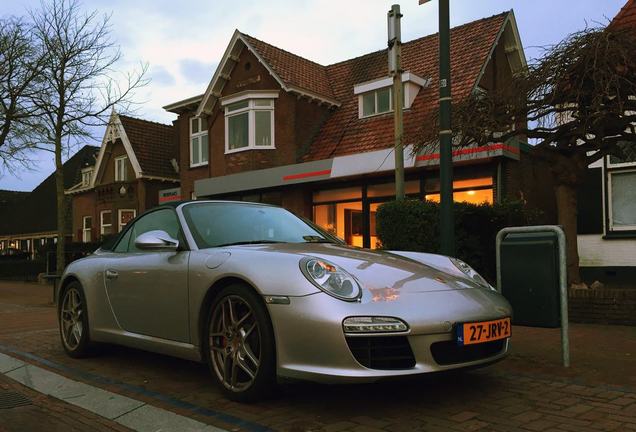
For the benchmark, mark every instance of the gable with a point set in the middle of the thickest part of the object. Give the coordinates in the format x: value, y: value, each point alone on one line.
x: 280, y: 64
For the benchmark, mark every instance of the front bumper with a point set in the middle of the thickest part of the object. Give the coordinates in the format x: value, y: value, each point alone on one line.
x: 312, y: 345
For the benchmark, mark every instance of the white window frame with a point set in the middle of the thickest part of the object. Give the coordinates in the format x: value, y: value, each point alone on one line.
x: 87, y: 232
x: 251, y: 109
x: 87, y: 176
x: 121, y: 226
x: 375, y: 98
x: 610, y: 205
x: 412, y: 85
x: 102, y: 224
x: 121, y: 171
x: 198, y: 136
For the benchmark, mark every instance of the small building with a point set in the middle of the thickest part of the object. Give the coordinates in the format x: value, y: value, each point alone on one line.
x: 136, y: 164
x: 275, y: 127
x: 607, y: 206
x: 28, y: 220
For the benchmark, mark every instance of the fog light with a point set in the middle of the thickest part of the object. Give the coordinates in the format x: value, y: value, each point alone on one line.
x: 374, y: 325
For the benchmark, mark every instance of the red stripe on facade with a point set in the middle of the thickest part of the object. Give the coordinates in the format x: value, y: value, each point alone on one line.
x: 461, y: 152
x: 307, y: 174
x: 170, y: 198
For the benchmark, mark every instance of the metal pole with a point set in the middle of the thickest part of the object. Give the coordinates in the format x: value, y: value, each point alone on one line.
x: 447, y: 223
x: 395, y: 68
x: 563, y: 286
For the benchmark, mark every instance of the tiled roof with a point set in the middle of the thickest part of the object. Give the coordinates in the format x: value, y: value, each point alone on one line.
x: 627, y: 15
x: 36, y: 211
x: 154, y: 145
x: 343, y: 133
x: 292, y: 69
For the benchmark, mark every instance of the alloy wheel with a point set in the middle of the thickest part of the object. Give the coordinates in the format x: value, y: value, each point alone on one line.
x: 235, y: 343
x: 71, y: 319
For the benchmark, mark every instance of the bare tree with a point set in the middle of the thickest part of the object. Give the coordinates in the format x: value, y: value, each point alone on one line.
x: 21, y: 62
x: 80, y: 85
x: 576, y: 104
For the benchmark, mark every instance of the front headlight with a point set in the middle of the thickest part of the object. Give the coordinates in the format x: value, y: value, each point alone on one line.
x: 470, y: 272
x: 330, y: 278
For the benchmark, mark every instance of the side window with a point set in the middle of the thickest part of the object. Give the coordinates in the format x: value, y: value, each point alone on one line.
x: 122, y: 246
x: 165, y: 220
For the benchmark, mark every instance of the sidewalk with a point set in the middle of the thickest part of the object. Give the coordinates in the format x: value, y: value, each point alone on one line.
x: 22, y: 409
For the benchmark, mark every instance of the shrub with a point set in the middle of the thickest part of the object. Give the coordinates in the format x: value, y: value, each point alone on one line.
x: 413, y: 225
x: 22, y: 269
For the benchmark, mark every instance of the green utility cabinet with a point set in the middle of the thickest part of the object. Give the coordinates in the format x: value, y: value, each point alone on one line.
x: 530, y: 278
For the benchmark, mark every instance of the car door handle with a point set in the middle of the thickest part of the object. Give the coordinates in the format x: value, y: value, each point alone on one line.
x: 111, y: 274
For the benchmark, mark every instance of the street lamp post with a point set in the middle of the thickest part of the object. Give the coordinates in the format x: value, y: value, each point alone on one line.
x: 447, y: 222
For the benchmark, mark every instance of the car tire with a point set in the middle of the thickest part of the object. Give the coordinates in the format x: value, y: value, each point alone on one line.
x: 239, y: 346
x: 73, y: 321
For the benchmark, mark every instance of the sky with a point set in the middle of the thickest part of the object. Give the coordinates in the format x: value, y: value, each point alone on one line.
x: 183, y: 40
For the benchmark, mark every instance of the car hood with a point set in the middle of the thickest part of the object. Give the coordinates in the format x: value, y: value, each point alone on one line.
x: 384, y: 275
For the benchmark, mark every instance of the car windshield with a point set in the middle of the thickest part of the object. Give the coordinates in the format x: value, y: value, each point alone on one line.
x: 226, y: 224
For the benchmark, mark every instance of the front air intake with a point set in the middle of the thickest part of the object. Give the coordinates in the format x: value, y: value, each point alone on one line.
x: 382, y: 352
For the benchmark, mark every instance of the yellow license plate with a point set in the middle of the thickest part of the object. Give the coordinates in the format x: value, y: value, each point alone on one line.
x: 484, y: 331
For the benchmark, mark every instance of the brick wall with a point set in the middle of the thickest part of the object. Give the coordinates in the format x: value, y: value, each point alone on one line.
x: 296, y: 121
x: 603, y: 306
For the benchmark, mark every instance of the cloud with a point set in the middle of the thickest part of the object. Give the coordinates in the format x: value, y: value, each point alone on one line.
x: 197, y: 72
x: 161, y: 76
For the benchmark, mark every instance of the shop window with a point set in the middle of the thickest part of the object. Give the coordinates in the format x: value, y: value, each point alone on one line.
x: 474, y: 191
x: 411, y: 187
x: 351, y: 193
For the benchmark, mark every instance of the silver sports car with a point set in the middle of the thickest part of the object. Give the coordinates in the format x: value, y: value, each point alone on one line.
x: 258, y: 294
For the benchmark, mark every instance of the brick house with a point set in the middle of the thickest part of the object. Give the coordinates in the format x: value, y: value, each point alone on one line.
x: 28, y: 219
x: 136, y: 164
x: 275, y: 127
x: 607, y: 205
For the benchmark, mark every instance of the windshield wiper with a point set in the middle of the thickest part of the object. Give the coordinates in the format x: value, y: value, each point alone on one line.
x: 316, y: 239
x: 248, y: 242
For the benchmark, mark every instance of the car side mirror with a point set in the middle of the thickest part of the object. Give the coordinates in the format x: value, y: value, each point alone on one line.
x: 156, y: 240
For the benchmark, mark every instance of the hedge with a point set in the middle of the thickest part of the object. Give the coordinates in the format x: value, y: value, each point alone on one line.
x: 22, y: 269
x: 413, y: 225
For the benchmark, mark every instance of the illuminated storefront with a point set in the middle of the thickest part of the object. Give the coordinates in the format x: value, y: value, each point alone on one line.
x: 350, y: 212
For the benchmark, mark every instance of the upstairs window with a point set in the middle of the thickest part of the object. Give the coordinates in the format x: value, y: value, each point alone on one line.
x: 249, y: 122
x: 377, y: 102
x: 120, y: 168
x: 376, y: 97
x: 199, y: 149
x: 86, y: 177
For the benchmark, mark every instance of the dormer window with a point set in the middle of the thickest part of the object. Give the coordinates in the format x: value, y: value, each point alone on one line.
x: 87, y: 173
x: 377, y: 101
x: 376, y: 97
x: 249, y: 121
x: 198, y: 142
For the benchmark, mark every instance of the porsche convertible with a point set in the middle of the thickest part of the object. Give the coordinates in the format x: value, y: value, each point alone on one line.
x: 259, y: 295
